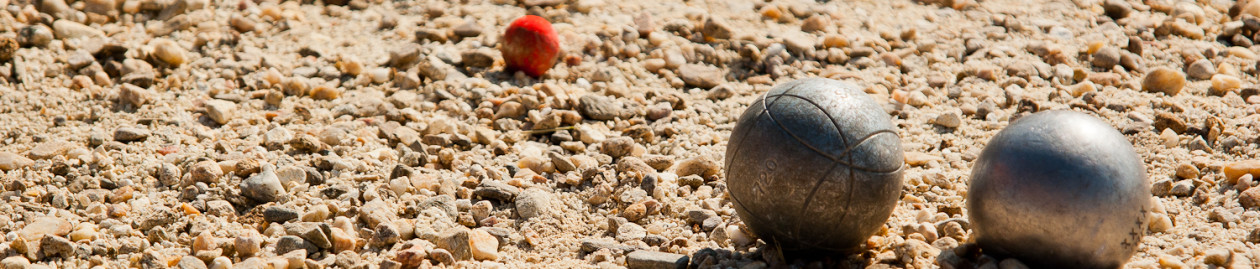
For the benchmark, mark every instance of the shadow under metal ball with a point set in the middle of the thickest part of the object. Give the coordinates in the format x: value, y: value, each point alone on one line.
x: 815, y: 166
x: 1059, y: 189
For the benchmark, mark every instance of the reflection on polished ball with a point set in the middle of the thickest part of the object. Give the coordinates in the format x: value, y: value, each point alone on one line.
x: 1059, y: 189
x: 814, y: 165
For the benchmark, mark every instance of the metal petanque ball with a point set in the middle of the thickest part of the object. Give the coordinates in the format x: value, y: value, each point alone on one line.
x: 1059, y: 189
x: 814, y: 165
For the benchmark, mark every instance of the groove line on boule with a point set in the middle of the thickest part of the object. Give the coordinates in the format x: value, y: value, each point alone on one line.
x: 829, y: 156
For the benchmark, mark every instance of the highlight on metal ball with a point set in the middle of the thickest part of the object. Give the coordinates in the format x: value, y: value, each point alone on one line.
x: 814, y: 165
x: 1059, y: 189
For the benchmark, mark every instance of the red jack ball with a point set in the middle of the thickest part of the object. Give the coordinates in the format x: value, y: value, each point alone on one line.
x: 530, y: 45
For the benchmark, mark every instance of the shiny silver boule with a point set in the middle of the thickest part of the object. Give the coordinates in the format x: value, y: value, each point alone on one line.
x: 1059, y: 189
x: 814, y: 165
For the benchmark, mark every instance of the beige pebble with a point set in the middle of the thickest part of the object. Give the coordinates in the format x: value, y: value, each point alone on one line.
x: 1222, y: 84
x: 484, y: 246
x: 203, y: 242
x: 835, y: 41
x: 412, y: 257
x: 15, y: 262
x: 221, y: 262
x: 700, y: 166
x: 1164, y: 80
x: 317, y: 213
x: 1241, y: 52
x: 1216, y: 256
x: 380, y: 75
x: 248, y: 243
x: 350, y: 66
x: 1160, y: 223
x: 13, y: 161
x: 342, y: 240
x: 220, y: 111
x: 1244, y: 182
x: 1237, y: 169
x: 241, y: 24
x: 1182, y: 28
x: 1082, y: 88
x: 1186, y: 170
x: 1201, y: 69
x: 916, y: 99
x: 168, y: 51
x: 88, y: 234
x: 1169, y: 138
x: 66, y: 29
x: 134, y: 95
x: 1170, y: 262
x: 325, y: 92
x: 1189, y: 11
x: 36, y: 229
x: 1249, y: 198
x: 948, y: 120
x: 914, y: 158
x: 205, y: 171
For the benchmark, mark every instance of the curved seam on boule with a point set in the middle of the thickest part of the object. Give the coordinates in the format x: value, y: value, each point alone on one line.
x: 825, y: 154
x: 810, y: 198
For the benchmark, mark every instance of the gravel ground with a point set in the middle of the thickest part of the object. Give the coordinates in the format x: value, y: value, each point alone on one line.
x: 381, y: 134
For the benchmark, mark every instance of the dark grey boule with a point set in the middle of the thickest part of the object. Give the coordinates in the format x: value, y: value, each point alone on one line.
x: 814, y: 165
x: 1059, y: 189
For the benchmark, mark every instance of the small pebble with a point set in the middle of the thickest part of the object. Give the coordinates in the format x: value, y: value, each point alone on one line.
x: 135, y: 96
x: 467, y: 29
x: 1106, y: 57
x: 168, y: 51
x: 716, y: 29
x: 1235, y: 170
x: 35, y: 36
x: 442, y: 256
x: 190, y: 262
x: 1082, y: 88
x: 484, y: 246
x: 1188, y: 171
x: 129, y: 134
x: 1117, y: 9
x: 220, y: 111
x: 617, y: 147
x: 914, y: 158
x: 1201, y: 69
x: 15, y: 262
x: 1182, y: 188
x: 324, y: 92
x: 263, y: 187
x: 646, y: 259
x: 291, y: 243
x: 701, y: 76
x: 948, y: 120
x: 1169, y: 262
x: 1160, y: 223
x: 248, y: 243
x: 1250, y: 198
x: 342, y: 240
x: 9, y: 47
x: 700, y: 166
x: 412, y: 257
x: 66, y: 29
x: 1164, y: 80
x: 1222, y: 84
x: 386, y: 235
x: 13, y: 161
x: 279, y: 214
x: 205, y: 171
